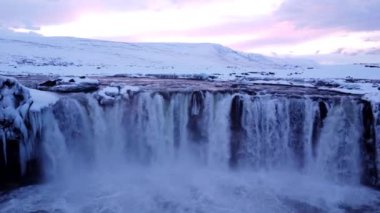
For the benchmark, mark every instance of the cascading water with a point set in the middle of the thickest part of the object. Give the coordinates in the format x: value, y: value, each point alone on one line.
x: 216, y: 130
x: 199, y: 152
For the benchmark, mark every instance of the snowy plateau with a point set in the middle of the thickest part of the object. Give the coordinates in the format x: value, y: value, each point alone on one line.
x: 28, y: 54
x: 99, y: 126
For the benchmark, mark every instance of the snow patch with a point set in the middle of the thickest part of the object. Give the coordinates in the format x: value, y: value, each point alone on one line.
x: 42, y: 99
x: 108, y: 95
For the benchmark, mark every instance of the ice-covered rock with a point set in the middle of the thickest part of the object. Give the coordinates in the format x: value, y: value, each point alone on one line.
x: 15, y: 102
x: 67, y: 85
x: 19, y: 128
x: 108, y: 95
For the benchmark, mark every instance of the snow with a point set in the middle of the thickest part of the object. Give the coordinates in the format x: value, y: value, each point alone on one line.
x: 115, y: 90
x: 16, y: 100
x: 127, y: 88
x: 42, y: 99
x: 109, y: 94
x: 77, y: 57
x: 110, y: 91
x: 11, y: 91
x: 331, y: 72
x: 25, y: 54
x: 282, y: 82
x: 370, y: 91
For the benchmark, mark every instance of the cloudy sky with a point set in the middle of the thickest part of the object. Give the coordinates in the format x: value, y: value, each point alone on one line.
x: 329, y: 31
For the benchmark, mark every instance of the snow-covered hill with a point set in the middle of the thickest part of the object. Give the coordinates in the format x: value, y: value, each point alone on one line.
x: 71, y: 56
x: 25, y: 54
x: 34, y: 54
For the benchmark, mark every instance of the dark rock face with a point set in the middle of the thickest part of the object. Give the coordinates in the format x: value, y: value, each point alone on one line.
x: 11, y: 175
x: 10, y: 164
x: 371, y: 144
x: 318, y: 124
x: 48, y: 83
x: 237, y: 130
x: 70, y: 85
x: 196, y: 124
x: 196, y: 114
x: 297, y: 115
x: 369, y: 154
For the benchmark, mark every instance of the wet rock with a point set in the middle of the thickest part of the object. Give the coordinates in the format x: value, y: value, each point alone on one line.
x: 369, y: 153
x: 49, y: 83
x: 237, y: 131
x: 372, y: 66
x: 195, y: 124
x: 318, y: 124
x: 297, y: 116
x: 70, y: 85
x: 326, y: 84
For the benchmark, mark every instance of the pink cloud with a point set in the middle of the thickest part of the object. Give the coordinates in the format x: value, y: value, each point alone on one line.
x: 357, y: 15
x: 263, y: 32
x: 24, y: 13
x: 282, y: 33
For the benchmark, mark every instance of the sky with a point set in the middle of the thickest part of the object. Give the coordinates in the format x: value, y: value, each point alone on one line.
x: 328, y: 31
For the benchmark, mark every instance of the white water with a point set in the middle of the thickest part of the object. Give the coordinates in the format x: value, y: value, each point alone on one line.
x: 173, y: 153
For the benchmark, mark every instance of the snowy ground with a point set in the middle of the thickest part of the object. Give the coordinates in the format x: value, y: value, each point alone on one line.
x: 25, y: 54
x: 32, y: 54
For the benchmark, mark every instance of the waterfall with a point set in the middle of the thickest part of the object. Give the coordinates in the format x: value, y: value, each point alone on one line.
x: 196, y: 151
x: 311, y: 135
